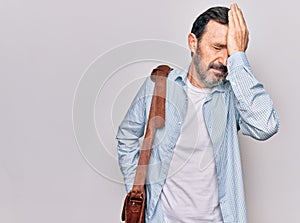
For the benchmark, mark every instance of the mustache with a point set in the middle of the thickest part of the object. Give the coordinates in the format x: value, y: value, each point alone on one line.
x: 219, y: 67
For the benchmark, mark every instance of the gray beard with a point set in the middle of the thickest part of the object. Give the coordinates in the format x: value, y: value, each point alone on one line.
x: 203, y: 77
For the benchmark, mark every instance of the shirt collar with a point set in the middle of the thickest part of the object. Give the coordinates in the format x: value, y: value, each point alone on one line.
x: 180, y: 75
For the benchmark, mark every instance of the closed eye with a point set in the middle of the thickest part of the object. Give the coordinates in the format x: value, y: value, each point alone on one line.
x: 219, y: 47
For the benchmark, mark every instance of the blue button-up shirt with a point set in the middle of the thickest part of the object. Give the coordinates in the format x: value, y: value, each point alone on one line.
x: 239, y: 103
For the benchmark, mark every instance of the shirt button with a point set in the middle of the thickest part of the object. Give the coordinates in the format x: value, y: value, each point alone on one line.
x: 179, y: 123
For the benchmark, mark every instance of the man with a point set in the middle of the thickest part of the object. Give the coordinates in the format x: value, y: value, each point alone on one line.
x: 195, y: 172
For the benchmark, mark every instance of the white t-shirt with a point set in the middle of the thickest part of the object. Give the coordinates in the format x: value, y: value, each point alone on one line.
x: 190, y: 193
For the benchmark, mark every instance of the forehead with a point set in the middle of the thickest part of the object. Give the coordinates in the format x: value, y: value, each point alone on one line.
x: 215, y: 32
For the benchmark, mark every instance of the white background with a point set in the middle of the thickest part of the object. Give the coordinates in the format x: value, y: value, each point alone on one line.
x: 45, y: 47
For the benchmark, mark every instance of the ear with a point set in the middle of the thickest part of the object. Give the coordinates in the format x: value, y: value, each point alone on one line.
x: 193, y: 42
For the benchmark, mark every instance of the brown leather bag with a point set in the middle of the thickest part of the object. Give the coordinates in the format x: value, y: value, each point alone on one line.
x: 135, y: 201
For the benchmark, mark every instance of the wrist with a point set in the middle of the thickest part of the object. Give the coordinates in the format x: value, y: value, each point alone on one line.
x: 237, y: 59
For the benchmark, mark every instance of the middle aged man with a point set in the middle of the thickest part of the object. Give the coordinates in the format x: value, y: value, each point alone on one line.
x: 195, y: 172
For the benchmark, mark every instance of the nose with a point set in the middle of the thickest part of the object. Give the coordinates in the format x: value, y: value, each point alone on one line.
x: 223, y: 56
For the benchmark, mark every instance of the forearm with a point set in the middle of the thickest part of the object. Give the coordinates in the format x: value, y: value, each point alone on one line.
x: 257, y: 116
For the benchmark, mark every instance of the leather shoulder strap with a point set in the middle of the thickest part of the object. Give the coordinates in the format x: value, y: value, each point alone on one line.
x: 156, y: 120
x: 161, y: 70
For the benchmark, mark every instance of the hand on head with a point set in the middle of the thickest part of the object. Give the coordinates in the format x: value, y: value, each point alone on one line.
x: 238, y: 35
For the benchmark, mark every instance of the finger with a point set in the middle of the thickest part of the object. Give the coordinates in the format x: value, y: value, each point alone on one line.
x: 241, y: 18
x: 230, y: 19
x: 235, y: 18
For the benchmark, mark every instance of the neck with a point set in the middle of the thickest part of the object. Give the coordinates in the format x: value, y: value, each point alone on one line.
x: 193, y: 77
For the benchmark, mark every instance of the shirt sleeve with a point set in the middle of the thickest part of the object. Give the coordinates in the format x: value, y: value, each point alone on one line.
x: 130, y: 131
x: 256, y: 115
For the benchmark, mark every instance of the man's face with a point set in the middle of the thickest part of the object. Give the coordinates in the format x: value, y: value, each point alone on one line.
x: 210, y: 58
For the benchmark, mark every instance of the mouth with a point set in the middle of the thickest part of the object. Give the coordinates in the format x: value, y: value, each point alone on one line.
x: 219, y: 73
x: 219, y: 70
